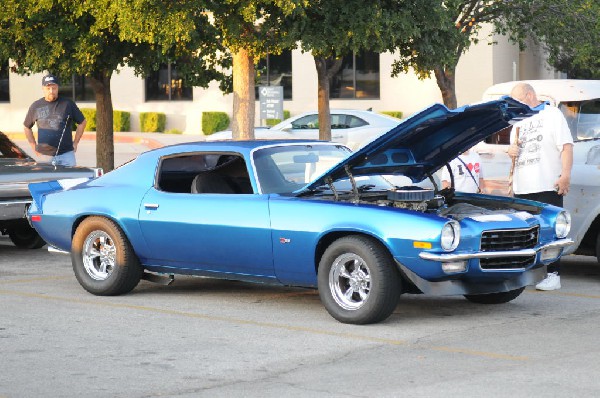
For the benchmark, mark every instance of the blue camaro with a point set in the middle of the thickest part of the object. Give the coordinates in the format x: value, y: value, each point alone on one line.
x: 309, y: 213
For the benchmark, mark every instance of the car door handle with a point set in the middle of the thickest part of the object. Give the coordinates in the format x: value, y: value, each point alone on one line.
x: 151, y: 206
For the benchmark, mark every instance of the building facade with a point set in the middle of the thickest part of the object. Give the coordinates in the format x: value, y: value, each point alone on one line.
x: 364, y: 82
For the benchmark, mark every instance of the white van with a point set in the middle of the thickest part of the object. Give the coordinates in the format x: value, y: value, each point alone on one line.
x: 579, y: 100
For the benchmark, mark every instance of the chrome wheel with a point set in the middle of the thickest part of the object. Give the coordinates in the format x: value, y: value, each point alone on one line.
x: 99, y: 254
x: 350, y: 281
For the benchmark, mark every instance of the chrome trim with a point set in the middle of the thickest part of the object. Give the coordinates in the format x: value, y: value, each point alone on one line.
x: 444, y: 258
x: 52, y: 249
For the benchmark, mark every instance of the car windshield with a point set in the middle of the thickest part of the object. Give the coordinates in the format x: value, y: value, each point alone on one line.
x: 583, y: 118
x: 9, y: 150
x: 285, y: 169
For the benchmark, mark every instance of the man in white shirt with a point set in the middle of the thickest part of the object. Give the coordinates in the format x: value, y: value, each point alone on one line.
x: 543, y: 158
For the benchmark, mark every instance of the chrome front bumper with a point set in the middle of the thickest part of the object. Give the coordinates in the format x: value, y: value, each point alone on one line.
x: 449, y: 257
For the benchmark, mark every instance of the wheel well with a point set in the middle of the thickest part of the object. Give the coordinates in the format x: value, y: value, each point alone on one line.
x: 78, y: 221
x: 588, y: 243
x: 328, y: 239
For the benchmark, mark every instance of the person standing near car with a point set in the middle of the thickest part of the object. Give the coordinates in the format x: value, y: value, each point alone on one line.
x: 543, y: 157
x: 54, y: 116
x: 466, y: 172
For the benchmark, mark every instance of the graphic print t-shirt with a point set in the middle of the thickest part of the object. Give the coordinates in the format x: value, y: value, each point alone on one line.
x: 466, y: 173
x: 51, y: 118
x: 541, y: 138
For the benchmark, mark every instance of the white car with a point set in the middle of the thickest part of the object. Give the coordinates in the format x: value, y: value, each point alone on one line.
x: 579, y: 100
x: 351, y: 127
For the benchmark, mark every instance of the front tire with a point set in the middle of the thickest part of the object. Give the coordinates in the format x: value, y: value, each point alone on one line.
x: 103, y: 260
x: 495, y: 298
x: 358, y: 281
x: 25, y: 237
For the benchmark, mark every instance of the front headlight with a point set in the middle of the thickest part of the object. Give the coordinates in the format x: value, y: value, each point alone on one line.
x: 563, y: 224
x: 450, y: 235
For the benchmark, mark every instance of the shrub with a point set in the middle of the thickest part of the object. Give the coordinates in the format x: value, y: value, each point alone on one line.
x: 214, y: 121
x: 152, y: 122
x: 173, y: 131
x: 273, y: 122
x: 90, y: 116
x: 121, y: 121
x: 396, y: 114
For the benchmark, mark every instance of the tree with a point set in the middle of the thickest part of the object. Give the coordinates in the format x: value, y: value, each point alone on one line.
x: 250, y: 29
x: 567, y: 29
x: 95, y: 37
x: 439, y: 46
x: 331, y: 29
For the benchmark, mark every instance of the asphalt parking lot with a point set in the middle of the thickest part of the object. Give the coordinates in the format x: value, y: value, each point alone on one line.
x: 206, y: 338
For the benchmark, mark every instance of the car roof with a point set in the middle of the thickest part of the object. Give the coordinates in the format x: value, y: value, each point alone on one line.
x: 553, y: 90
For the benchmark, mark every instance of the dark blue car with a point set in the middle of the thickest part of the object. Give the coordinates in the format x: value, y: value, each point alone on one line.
x: 312, y: 214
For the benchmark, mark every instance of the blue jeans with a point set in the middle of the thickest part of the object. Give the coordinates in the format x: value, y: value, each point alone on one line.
x: 64, y: 159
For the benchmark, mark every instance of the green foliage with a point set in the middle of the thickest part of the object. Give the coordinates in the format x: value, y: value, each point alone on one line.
x: 90, y: 117
x: 273, y: 122
x: 396, y: 114
x: 567, y: 29
x: 173, y: 131
x: 152, y: 122
x: 214, y: 121
x: 121, y: 121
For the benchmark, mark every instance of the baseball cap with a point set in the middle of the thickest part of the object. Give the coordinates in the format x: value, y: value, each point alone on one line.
x: 49, y: 79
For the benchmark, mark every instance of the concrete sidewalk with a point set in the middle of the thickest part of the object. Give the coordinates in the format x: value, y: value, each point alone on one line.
x: 127, y: 145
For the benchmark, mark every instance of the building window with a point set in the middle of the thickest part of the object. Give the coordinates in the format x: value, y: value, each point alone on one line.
x: 358, y: 77
x: 4, y: 86
x: 276, y: 70
x: 166, y: 85
x: 76, y: 87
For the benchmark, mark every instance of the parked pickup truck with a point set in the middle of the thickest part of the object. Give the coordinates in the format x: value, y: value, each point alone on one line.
x: 579, y: 100
x: 17, y: 170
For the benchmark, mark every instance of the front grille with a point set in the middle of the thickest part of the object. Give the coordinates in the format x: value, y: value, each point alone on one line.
x: 511, y: 239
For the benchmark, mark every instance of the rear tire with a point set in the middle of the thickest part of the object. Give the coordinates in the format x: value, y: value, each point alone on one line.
x: 103, y: 260
x: 358, y: 281
x: 25, y: 237
x: 495, y: 298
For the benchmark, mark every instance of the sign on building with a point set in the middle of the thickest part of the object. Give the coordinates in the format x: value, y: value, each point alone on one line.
x: 271, y: 102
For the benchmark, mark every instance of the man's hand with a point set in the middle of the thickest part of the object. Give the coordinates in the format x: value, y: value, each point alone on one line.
x: 513, y: 150
x: 562, y: 185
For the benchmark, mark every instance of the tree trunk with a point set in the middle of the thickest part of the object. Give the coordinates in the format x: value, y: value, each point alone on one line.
x: 446, y: 81
x: 243, y: 96
x: 323, y: 99
x: 105, y: 148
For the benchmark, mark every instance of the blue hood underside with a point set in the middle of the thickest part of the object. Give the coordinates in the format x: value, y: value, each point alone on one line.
x: 428, y: 140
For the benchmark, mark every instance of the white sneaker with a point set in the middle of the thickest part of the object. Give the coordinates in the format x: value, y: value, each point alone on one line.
x: 551, y: 282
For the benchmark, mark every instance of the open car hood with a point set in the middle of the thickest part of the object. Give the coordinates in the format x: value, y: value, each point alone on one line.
x: 427, y: 141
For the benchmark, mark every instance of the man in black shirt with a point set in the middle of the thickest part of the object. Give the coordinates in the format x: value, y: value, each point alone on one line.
x: 54, y: 117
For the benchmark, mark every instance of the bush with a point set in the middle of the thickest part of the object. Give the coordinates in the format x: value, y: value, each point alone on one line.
x: 273, y: 122
x: 90, y: 116
x: 173, y: 131
x: 121, y: 121
x: 214, y: 121
x: 152, y: 122
x: 396, y: 114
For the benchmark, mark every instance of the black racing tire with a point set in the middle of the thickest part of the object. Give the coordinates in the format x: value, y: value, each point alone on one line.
x: 25, y: 237
x: 102, y: 257
x: 358, y: 281
x: 495, y: 298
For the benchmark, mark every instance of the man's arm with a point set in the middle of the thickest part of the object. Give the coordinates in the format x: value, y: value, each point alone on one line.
x: 566, y: 158
x: 78, y: 134
x: 30, y: 138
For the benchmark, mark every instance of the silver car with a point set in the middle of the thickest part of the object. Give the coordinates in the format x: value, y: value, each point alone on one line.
x: 351, y: 127
x: 17, y: 170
